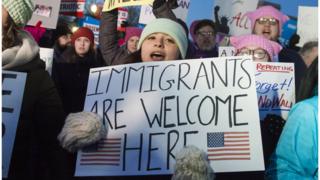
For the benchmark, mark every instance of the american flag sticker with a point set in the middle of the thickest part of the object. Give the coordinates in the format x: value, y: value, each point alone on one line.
x: 224, y: 146
x: 107, y: 152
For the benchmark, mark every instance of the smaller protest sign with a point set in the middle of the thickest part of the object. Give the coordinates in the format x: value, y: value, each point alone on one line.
x: 307, y: 24
x: 94, y: 25
x: 12, y: 93
x: 112, y: 4
x: 72, y: 8
x: 47, y: 12
x: 46, y: 54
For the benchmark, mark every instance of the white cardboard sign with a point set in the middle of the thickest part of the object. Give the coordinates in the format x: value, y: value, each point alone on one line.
x: 46, y: 54
x: 233, y: 11
x: 307, y: 24
x: 275, y: 87
x: 153, y: 109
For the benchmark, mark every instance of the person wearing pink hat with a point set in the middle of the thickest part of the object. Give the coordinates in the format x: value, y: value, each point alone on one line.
x: 132, y: 38
x: 267, y: 21
x: 262, y: 49
x: 111, y: 52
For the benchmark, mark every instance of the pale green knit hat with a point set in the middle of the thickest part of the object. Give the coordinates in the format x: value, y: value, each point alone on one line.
x: 167, y: 26
x: 19, y: 10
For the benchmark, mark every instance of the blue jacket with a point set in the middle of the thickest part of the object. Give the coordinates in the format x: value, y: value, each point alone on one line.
x: 296, y: 155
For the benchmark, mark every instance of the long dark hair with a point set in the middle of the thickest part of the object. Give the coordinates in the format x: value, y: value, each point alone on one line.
x: 308, y: 82
x: 9, y: 35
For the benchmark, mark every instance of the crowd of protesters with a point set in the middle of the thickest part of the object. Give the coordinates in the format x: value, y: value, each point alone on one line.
x: 48, y: 100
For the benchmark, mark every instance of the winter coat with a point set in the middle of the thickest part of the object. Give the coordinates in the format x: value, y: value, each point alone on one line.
x: 71, y: 79
x: 296, y: 155
x: 111, y: 52
x: 195, y: 53
x: 36, y: 153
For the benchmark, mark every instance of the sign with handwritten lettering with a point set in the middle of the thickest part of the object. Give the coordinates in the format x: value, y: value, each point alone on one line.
x: 274, y: 84
x: 225, y: 51
x: 181, y: 12
x: 275, y: 88
x: 230, y: 15
x: 12, y: 94
x: 153, y: 109
x: 112, y: 4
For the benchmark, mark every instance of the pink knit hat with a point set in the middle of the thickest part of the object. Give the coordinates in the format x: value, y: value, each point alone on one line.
x: 271, y: 47
x: 132, y: 31
x: 267, y: 11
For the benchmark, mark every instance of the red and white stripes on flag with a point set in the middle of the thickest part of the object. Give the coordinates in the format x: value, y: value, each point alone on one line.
x: 107, y: 153
x: 224, y: 146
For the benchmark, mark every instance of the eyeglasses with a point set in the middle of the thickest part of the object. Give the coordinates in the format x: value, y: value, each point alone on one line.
x: 263, y: 21
x: 205, y: 33
x: 257, y: 53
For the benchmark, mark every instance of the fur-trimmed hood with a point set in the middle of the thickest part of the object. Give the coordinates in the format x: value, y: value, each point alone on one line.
x: 22, y: 53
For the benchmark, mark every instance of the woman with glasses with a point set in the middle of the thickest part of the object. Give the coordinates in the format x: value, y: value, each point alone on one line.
x: 267, y: 21
x: 262, y: 49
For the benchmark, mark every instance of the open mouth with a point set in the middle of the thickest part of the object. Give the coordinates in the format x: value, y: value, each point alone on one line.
x: 266, y: 32
x: 157, y: 56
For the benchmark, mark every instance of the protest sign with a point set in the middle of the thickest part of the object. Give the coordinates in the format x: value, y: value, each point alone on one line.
x: 72, y: 7
x: 94, y: 25
x: 275, y: 87
x: 47, y: 12
x: 225, y: 51
x: 307, y: 24
x: 288, y: 29
x: 146, y: 14
x: 153, y: 109
x: 230, y: 15
x: 112, y: 4
x: 46, y: 54
x: 12, y: 94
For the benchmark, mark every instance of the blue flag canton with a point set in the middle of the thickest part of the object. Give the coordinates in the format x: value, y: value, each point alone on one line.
x: 215, y: 139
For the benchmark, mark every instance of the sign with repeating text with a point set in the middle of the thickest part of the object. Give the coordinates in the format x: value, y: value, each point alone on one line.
x: 275, y: 87
x: 153, y: 109
x: 307, y: 24
x: 47, y: 12
x: 231, y: 15
x: 12, y: 94
x: 112, y: 4
x: 146, y: 14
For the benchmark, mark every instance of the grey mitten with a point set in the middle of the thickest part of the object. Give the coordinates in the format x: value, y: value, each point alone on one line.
x: 81, y: 129
x: 192, y: 164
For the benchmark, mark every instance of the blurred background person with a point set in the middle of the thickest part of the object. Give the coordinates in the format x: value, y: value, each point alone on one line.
x: 309, y: 52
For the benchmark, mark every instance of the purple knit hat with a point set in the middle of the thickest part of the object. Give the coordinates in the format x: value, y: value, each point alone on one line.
x: 271, y: 47
x: 267, y: 11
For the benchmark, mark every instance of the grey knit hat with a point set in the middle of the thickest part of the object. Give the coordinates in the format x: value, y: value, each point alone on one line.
x: 19, y: 10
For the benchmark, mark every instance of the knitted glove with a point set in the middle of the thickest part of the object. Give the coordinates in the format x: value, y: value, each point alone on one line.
x: 81, y: 129
x: 192, y: 164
